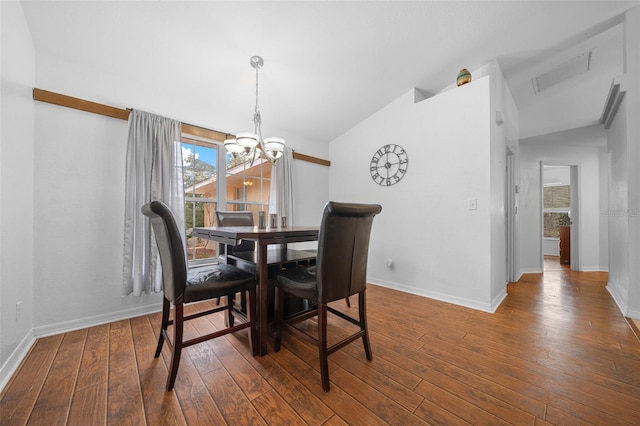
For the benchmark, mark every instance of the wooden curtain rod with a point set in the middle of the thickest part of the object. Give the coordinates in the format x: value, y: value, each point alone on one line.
x: 123, y: 114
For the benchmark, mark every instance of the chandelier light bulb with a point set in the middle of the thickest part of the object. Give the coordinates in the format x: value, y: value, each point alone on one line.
x: 232, y: 146
x: 248, y: 141
x: 274, y: 146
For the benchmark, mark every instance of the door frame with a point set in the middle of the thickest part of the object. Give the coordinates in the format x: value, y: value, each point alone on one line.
x: 510, y: 219
x: 574, y: 182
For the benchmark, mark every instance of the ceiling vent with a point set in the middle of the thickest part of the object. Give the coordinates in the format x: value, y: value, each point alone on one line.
x: 569, y: 69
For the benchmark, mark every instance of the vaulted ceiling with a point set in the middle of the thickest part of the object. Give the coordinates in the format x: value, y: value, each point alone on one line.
x: 331, y: 64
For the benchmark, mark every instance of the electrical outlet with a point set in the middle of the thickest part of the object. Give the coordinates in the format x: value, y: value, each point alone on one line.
x: 473, y: 204
x: 389, y: 263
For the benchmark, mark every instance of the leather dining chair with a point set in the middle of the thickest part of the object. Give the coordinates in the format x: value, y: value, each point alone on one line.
x: 236, y: 218
x: 340, y: 271
x: 181, y: 285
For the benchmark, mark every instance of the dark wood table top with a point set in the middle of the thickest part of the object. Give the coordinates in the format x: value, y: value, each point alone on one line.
x: 232, y: 235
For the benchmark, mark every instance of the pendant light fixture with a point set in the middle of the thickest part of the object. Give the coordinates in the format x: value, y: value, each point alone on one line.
x: 251, y: 145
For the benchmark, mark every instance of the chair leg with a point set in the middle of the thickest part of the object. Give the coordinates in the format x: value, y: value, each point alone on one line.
x: 322, y: 346
x: 166, y: 307
x: 279, y: 319
x: 346, y: 299
x: 362, y: 311
x: 253, y: 320
x: 177, y: 345
x: 230, y: 318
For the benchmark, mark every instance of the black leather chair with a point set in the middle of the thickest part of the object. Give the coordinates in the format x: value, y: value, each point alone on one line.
x: 340, y: 271
x: 236, y: 218
x: 182, y: 285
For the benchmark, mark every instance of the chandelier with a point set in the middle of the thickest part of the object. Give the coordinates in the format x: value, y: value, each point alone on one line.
x: 251, y: 145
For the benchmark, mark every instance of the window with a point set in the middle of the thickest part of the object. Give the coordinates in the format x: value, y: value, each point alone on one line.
x: 556, y: 208
x: 199, y: 173
x: 243, y: 187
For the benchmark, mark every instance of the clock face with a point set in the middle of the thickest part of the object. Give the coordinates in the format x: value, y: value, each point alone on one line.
x: 389, y: 165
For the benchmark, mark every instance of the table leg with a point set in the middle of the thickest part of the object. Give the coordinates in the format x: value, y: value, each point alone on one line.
x: 263, y: 308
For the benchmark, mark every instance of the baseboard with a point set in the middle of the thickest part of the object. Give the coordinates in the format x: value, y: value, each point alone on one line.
x: 616, y: 298
x: 16, y: 357
x: 497, y: 301
x: 530, y: 271
x: 594, y: 269
x: 633, y: 314
x: 467, y: 303
x: 77, y: 324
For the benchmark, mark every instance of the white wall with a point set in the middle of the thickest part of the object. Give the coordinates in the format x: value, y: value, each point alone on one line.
x: 624, y: 197
x: 632, y: 69
x: 440, y: 248
x: 79, y: 204
x: 618, y: 208
x: 17, y: 71
x: 504, y: 122
x: 584, y: 147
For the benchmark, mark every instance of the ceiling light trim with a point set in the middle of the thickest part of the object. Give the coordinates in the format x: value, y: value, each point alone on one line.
x: 614, y: 99
x: 569, y: 69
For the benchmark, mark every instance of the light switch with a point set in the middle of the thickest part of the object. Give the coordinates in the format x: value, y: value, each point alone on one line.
x: 473, y: 204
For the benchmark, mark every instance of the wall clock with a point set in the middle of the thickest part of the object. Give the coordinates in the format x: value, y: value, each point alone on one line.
x: 389, y: 165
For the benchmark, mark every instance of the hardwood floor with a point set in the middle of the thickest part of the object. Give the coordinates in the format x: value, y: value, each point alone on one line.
x: 557, y: 351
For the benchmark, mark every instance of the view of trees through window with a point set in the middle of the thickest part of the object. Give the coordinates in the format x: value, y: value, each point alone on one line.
x: 246, y: 187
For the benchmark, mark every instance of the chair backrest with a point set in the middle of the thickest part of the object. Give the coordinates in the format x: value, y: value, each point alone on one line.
x: 241, y: 218
x: 170, y: 248
x: 343, y: 249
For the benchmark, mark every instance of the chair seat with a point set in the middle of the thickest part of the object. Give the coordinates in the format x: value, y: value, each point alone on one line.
x: 210, y: 281
x: 300, y: 282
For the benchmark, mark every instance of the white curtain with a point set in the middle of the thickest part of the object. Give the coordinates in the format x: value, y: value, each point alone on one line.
x: 153, y: 172
x: 281, y: 193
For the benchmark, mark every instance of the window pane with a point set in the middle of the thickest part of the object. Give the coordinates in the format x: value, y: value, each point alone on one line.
x: 197, y: 214
x: 248, y: 183
x: 556, y: 197
x: 200, y: 183
x: 199, y: 170
x: 552, y: 222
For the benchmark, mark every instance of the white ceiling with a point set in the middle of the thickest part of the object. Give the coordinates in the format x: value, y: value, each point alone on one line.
x: 331, y: 64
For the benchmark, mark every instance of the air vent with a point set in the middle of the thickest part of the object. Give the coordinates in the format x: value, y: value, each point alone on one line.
x: 571, y: 68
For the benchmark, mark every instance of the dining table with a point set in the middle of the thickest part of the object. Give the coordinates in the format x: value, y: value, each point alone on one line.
x: 279, y: 253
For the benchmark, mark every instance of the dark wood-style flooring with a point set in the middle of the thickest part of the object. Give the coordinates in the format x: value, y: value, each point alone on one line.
x: 557, y: 351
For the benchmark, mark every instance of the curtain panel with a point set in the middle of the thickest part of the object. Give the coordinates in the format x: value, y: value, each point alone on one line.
x: 153, y: 172
x: 281, y: 191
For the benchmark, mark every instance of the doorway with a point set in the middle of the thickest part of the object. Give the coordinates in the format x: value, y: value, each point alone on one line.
x: 559, y: 217
x: 511, y: 208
